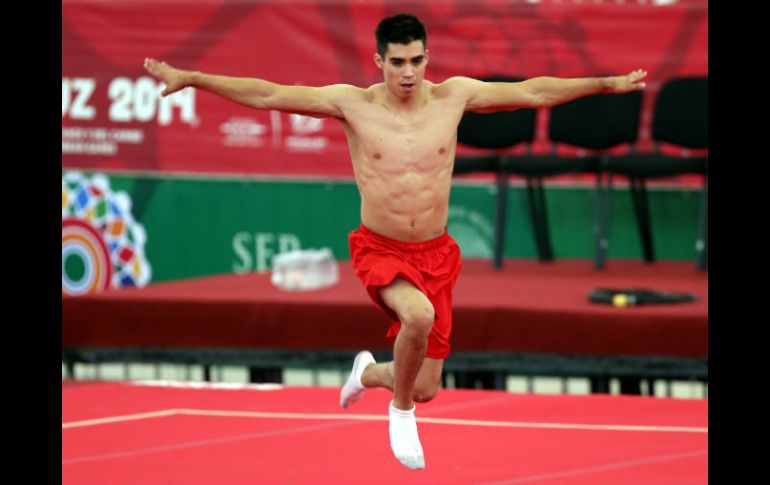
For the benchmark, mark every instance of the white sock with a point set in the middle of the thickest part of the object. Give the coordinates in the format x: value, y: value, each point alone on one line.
x: 404, y: 440
x: 354, y: 388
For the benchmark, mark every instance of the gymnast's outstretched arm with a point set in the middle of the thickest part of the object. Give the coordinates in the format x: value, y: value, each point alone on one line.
x: 326, y: 101
x: 538, y: 92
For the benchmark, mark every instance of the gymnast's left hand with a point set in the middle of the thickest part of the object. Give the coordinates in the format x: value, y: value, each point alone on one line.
x: 624, y: 84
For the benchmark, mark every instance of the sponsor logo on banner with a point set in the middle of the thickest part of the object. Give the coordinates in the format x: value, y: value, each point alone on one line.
x: 255, y: 251
x: 303, y: 137
x: 102, y: 245
x: 473, y: 231
x: 305, y: 125
x: 244, y: 132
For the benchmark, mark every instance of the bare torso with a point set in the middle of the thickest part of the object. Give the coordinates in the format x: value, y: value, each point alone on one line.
x: 402, y: 153
x: 403, y: 161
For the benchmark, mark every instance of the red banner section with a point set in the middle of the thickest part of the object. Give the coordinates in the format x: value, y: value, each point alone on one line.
x: 114, y: 119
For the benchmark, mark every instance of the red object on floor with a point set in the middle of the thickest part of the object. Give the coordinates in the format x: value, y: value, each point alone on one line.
x: 299, y: 435
x: 525, y: 307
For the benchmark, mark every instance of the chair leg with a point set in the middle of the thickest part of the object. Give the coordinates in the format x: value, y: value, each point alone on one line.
x: 545, y: 233
x: 532, y: 206
x: 641, y: 207
x: 534, y: 187
x: 500, y: 212
x: 702, y: 245
x: 602, y: 220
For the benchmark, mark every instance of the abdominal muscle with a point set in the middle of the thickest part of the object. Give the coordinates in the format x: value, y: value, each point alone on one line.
x: 404, y: 202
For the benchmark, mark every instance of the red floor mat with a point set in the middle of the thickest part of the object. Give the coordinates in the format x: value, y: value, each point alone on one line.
x: 300, y: 436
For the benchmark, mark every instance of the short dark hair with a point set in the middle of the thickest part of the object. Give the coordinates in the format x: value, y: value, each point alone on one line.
x: 403, y: 28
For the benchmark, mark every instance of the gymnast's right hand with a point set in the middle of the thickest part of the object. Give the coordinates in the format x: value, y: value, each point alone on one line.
x: 173, y: 78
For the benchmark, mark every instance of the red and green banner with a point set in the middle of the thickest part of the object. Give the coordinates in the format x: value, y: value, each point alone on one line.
x: 114, y: 120
x: 122, y: 230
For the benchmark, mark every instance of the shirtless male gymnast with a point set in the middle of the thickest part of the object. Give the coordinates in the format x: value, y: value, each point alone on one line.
x: 402, y: 135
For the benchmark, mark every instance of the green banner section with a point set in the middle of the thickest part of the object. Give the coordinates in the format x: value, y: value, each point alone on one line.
x: 203, y: 226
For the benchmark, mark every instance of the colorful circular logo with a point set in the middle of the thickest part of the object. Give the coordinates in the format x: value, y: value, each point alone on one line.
x: 102, y: 245
x: 85, y: 260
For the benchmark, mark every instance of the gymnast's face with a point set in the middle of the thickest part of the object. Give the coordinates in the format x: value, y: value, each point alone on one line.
x: 403, y: 67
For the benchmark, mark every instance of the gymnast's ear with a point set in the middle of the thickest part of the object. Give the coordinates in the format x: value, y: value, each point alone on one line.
x: 378, y: 60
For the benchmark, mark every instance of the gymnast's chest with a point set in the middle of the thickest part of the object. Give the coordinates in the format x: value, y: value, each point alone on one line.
x: 384, y: 136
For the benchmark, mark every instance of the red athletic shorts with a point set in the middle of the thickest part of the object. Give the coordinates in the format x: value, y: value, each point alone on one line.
x: 432, y: 266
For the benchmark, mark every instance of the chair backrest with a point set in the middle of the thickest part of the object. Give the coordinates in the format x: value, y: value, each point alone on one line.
x: 599, y: 121
x: 497, y: 130
x: 681, y: 112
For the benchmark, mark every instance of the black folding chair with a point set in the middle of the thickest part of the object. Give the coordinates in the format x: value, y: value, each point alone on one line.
x: 593, y: 123
x: 680, y: 117
x: 494, y: 131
